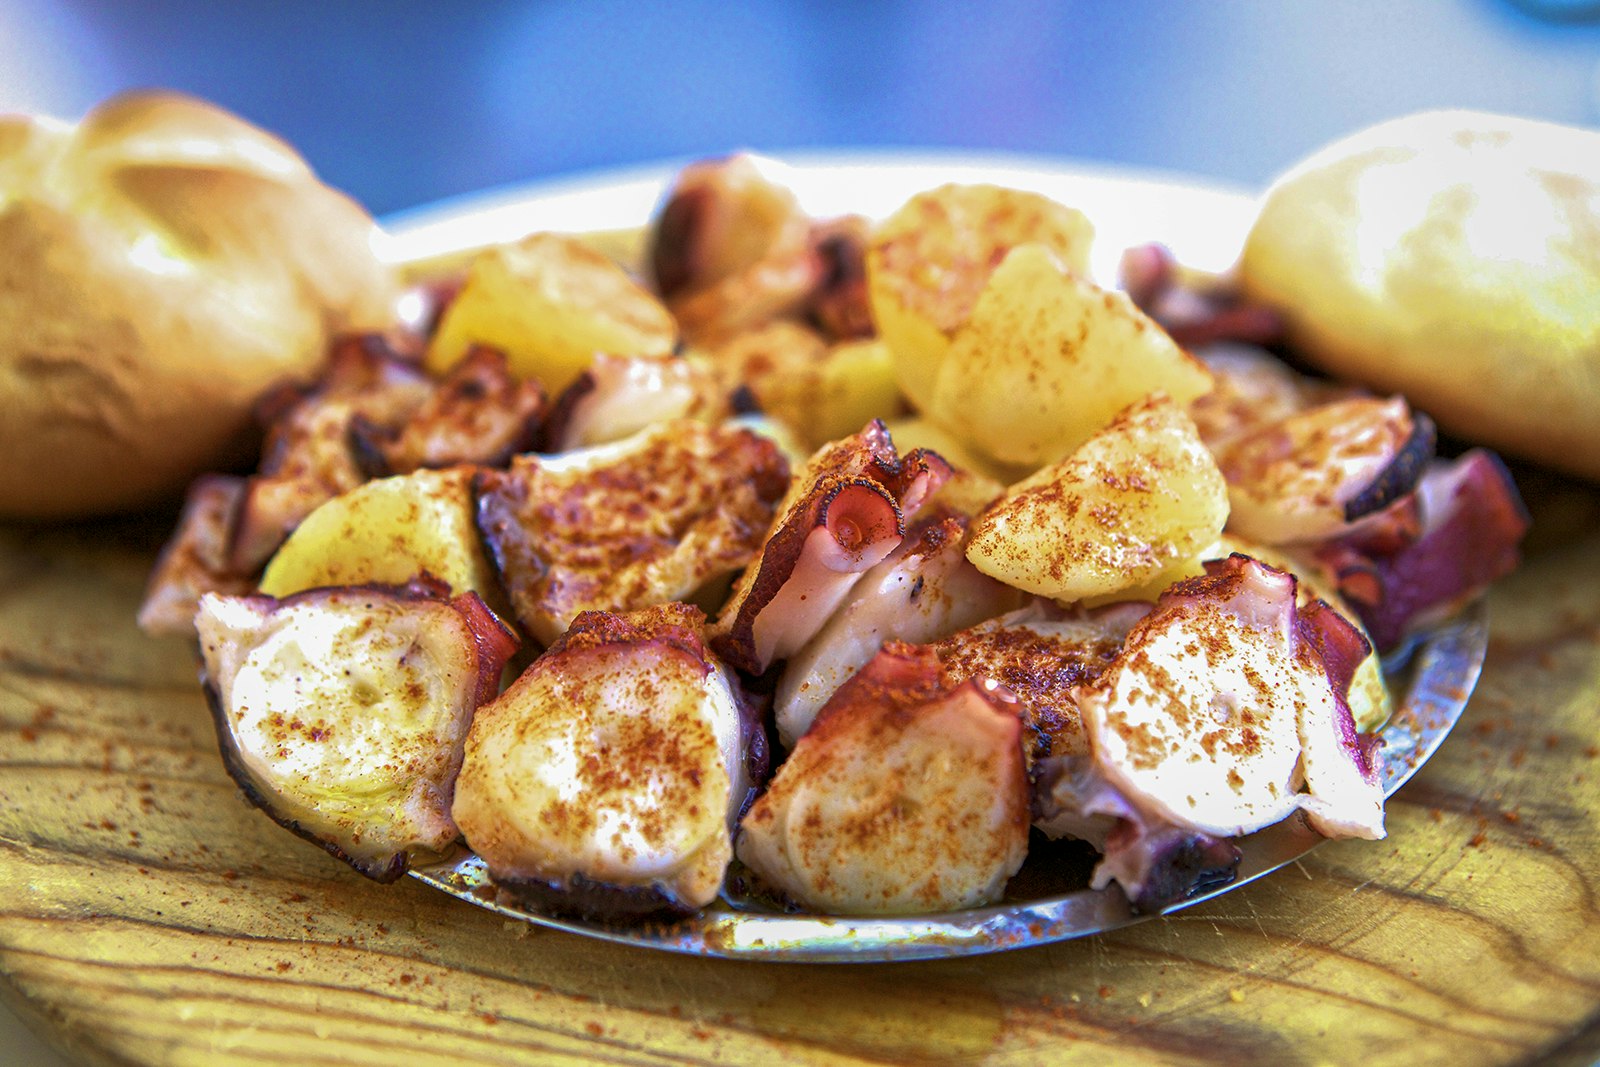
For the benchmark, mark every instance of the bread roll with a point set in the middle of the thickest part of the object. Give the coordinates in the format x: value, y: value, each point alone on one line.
x: 1453, y: 256
x: 161, y: 264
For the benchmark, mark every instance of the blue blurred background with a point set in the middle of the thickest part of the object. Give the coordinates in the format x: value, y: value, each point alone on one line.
x: 405, y: 103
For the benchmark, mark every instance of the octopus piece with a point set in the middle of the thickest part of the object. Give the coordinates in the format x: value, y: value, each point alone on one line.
x: 308, y: 456
x: 1252, y: 388
x: 1308, y: 475
x: 904, y: 797
x: 847, y: 511
x: 839, y: 306
x: 769, y: 290
x: 1420, y: 565
x: 647, y: 520
x: 1041, y: 654
x: 1199, y: 718
x: 1225, y: 701
x: 194, y: 560
x: 342, y: 713
x: 1305, y: 460
x: 922, y: 591
x: 1194, y: 311
x: 1382, y: 533
x: 607, y: 779
x: 731, y: 249
x: 1164, y: 863
x: 1156, y: 862
x: 1369, y: 698
x: 476, y: 413
x: 1343, y: 794
x: 620, y: 395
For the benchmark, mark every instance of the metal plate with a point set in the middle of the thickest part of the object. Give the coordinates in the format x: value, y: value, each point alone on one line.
x: 1436, y: 681
x: 1204, y: 225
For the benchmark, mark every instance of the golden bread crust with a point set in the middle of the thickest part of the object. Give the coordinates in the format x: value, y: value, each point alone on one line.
x: 1455, y: 257
x: 162, y: 263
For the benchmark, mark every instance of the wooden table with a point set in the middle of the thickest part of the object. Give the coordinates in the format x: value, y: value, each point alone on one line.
x: 150, y: 916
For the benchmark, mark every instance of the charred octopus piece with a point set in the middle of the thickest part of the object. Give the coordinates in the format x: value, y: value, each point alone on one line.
x: 607, y: 779
x: 846, y: 513
x: 1251, y: 388
x: 1194, y: 315
x: 643, y: 521
x: 924, y: 590
x: 839, y: 306
x: 1416, y: 567
x: 1343, y: 793
x: 1041, y: 654
x: 904, y: 797
x: 308, y: 456
x: 195, y: 559
x: 1307, y: 476
x: 731, y: 249
x: 476, y: 413
x: 1224, y: 702
x: 342, y: 712
x: 620, y: 395
x: 1199, y: 718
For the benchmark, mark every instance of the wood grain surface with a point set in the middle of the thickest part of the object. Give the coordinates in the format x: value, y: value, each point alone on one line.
x: 147, y: 915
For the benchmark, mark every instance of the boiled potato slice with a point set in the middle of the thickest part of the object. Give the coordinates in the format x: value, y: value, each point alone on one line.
x: 855, y: 385
x: 1151, y: 589
x: 550, y: 302
x: 388, y: 531
x: 1138, y: 499
x: 821, y: 392
x: 928, y: 262
x: 1048, y: 358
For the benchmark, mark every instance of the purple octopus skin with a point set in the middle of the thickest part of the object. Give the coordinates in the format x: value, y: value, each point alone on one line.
x: 1155, y: 862
x: 592, y: 901
x: 1401, y: 475
x: 856, y: 498
x: 493, y: 646
x: 1341, y: 646
x: 1177, y: 864
x: 1473, y: 520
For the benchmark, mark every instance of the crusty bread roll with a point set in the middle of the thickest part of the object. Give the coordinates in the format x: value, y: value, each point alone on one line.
x: 161, y: 264
x: 1453, y: 256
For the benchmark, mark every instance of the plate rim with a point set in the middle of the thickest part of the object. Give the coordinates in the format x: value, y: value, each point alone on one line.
x: 1432, y: 705
x: 834, y: 182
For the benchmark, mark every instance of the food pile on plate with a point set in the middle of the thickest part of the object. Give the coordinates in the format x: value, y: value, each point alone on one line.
x: 836, y: 558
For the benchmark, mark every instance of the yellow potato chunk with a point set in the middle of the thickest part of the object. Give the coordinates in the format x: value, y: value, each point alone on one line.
x: 821, y: 392
x: 855, y: 384
x: 388, y: 531
x: 1137, y: 500
x: 550, y: 302
x: 1047, y: 359
x: 1151, y: 589
x: 929, y: 261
